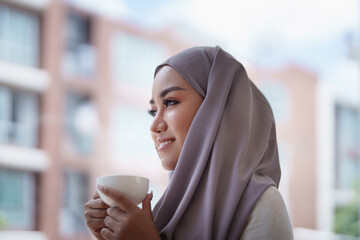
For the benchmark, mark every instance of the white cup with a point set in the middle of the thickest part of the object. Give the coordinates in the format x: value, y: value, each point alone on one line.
x: 133, y: 188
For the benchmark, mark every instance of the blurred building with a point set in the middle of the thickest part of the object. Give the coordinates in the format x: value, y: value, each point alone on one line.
x: 318, y: 135
x: 292, y: 93
x: 71, y: 84
x: 339, y: 148
x: 74, y: 90
x: 23, y: 82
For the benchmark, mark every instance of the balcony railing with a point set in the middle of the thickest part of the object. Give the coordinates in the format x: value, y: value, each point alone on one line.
x: 28, y: 235
x: 32, y: 4
x: 25, y: 77
x: 22, y: 134
x: 81, y: 61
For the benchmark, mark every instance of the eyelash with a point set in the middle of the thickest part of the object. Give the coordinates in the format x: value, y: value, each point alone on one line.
x: 152, y: 113
x: 167, y: 103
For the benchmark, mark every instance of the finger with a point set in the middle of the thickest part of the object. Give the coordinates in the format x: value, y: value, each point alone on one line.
x: 95, y: 224
x: 96, y: 204
x: 95, y: 213
x: 96, y: 195
x: 107, y: 234
x: 111, y: 223
x: 98, y: 235
x: 146, y: 204
x: 124, y: 203
x: 116, y: 213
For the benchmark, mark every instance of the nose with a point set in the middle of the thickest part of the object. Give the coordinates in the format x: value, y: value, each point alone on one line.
x: 158, y: 125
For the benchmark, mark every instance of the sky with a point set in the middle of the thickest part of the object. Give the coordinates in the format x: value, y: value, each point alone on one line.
x: 309, y: 32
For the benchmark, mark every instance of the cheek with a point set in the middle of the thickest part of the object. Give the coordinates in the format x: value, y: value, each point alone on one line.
x: 180, y: 123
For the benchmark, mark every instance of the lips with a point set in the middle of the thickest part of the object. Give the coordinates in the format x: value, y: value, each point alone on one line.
x: 164, y: 143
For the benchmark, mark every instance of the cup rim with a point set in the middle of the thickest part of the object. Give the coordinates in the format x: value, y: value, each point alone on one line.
x: 123, y: 175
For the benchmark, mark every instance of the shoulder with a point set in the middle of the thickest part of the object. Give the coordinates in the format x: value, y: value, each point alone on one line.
x: 269, y: 218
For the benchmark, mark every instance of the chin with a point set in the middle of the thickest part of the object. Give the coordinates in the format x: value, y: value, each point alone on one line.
x: 168, y: 166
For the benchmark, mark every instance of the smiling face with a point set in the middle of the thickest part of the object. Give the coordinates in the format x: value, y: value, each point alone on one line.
x: 173, y: 105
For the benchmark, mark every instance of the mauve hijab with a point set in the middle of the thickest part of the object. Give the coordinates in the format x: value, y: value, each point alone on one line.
x: 230, y: 154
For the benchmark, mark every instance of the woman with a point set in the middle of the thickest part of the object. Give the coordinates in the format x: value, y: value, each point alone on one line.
x: 214, y: 129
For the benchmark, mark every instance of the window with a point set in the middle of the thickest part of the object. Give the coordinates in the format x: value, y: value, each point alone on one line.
x: 284, y: 152
x: 133, y: 62
x: 346, y: 149
x: 75, y: 196
x: 81, y: 123
x: 131, y: 136
x: 19, y: 111
x: 17, y: 199
x: 347, y: 168
x: 80, y: 54
x: 19, y: 36
x: 275, y: 93
x: 135, y: 59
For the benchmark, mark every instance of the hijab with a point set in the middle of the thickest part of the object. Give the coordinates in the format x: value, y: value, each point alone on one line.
x: 229, y: 156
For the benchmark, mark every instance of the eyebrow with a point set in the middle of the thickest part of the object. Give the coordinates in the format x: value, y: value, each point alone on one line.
x: 166, y: 91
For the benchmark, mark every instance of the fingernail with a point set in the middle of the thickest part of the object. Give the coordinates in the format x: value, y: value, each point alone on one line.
x: 100, y: 187
x: 151, y: 195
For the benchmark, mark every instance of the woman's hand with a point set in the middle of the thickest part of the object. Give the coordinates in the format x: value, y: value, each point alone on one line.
x: 95, y: 213
x: 128, y: 221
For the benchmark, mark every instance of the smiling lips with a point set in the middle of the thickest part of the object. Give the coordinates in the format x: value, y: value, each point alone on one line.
x: 164, y: 144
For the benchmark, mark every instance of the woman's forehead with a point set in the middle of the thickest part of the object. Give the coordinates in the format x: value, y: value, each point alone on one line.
x: 168, y: 77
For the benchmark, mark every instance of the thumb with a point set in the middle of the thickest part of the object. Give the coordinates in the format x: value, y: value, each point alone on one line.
x: 146, y: 204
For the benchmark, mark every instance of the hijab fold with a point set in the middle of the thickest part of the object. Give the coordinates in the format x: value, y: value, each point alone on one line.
x: 229, y: 156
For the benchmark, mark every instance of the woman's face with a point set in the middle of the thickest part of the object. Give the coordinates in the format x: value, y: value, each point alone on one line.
x: 173, y: 105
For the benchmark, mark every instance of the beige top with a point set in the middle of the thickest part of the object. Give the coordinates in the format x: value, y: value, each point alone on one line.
x: 269, y: 220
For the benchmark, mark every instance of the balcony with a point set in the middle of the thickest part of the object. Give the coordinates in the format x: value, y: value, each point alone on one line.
x: 25, y: 158
x: 20, y: 235
x: 37, y: 5
x: 25, y: 77
x: 80, y: 61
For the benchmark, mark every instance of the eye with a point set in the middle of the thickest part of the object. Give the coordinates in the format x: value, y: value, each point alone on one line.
x: 169, y: 102
x: 152, y: 113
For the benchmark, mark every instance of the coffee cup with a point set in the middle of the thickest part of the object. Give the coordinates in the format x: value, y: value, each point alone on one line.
x: 133, y: 188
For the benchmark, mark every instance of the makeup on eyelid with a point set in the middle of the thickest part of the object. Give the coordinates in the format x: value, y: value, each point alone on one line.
x: 166, y: 102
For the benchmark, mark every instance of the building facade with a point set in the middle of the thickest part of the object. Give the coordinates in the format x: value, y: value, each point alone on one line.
x: 74, y: 91
x: 292, y: 93
x: 71, y: 82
